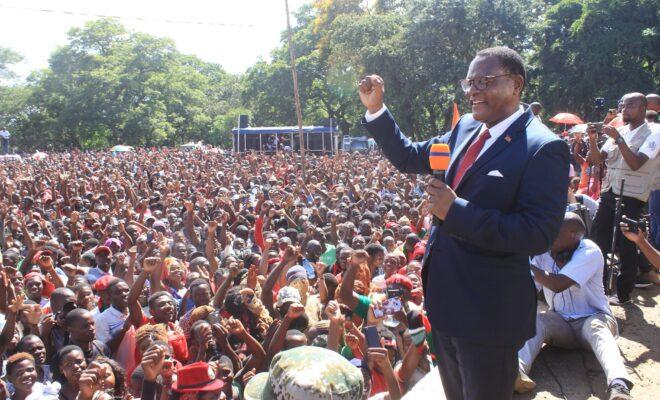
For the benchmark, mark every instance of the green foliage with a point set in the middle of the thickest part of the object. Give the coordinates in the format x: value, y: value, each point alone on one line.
x: 108, y: 85
x: 596, y: 48
x: 8, y: 57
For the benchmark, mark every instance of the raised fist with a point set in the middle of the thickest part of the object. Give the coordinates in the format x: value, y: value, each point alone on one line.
x: 371, y: 90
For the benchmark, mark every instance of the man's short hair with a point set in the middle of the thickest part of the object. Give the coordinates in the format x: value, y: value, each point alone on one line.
x: 511, y: 61
x: 152, y: 299
x: 374, y: 248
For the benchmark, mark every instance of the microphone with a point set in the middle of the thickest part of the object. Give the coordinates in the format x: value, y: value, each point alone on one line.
x: 439, y: 158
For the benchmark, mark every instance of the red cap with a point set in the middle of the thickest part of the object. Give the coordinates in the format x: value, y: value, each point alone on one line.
x: 103, y: 282
x: 391, y: 225
x: 196, y: 377
x: 101, y: 249
x: 420, y: 250
x: 399, y: 279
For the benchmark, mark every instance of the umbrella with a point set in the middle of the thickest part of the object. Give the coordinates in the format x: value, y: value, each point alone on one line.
x: 120, y: 148
x: 566, y: 119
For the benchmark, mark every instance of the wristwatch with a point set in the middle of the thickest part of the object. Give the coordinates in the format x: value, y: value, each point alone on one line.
x: 619, y: 140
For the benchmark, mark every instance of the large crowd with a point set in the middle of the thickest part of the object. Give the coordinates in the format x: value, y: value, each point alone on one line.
x: 160, y: 274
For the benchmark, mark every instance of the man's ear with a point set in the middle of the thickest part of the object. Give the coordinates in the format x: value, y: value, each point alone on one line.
x: 518, y: 84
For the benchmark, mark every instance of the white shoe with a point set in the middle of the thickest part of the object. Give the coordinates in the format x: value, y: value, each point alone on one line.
x: 614, y: 300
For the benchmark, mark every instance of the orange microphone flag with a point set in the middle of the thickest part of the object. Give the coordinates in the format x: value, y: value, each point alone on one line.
x: 455, y: 117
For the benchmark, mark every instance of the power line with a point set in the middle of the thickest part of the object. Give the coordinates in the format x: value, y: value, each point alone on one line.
x: 142, y: 19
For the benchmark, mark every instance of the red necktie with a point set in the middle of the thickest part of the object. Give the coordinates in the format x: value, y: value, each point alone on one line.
x: 470, y: 157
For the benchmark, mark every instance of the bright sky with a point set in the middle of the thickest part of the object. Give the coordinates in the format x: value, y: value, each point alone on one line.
x: 36, y: 34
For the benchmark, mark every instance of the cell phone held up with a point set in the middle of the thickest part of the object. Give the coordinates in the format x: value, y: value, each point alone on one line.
x: 372, y: 337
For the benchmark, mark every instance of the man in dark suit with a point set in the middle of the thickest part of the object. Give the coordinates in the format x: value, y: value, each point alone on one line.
x: 503, y: 201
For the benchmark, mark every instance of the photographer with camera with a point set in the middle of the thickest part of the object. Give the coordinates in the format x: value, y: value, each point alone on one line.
x: 630, y: 154
x: 633, y: 231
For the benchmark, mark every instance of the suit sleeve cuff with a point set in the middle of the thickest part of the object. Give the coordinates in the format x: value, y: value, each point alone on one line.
x: 370, y: 117
x: 455, y: 219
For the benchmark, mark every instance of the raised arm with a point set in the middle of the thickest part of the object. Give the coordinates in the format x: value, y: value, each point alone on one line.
x: 219, y: 297
x: 405, y: 155
x: 135, y: 310
x: 346, y: 293
x: 288, y: 260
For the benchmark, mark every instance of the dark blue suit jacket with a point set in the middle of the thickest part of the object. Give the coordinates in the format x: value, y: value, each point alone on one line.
x: 477, y: 279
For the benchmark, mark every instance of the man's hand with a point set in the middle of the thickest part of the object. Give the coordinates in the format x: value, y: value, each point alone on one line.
x: 290, y: 256
x: 441, y: 198
x: 377, y: 357
x: 150, y: 264
x: 333, y: 312
x: 235, y: 327
x: 17, y: 304
x: 635, y: 237
x: 46, y: 262
x: 371, y: 90
x: 92, y: 380
x: 358, y: 257
x: 295, y: 311
x: 189, y: 206
x: 152, y: 362
x: 611, y: 132
x: 212, y: 226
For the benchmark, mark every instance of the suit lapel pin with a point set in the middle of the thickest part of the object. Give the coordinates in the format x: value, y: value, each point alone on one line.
x: 507, y: 138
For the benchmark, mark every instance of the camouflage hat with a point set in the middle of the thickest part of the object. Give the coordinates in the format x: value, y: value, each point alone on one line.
x: 307, y: 373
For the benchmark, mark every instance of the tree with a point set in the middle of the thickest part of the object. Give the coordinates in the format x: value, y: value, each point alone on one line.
x: 595, y: 48
x: 110, y: 86
x: 7, y: 58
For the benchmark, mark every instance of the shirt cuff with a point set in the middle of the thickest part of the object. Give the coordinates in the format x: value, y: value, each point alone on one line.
x: 370, y: 117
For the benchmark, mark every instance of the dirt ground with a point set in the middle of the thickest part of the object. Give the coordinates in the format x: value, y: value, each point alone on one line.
x: 573, y: 375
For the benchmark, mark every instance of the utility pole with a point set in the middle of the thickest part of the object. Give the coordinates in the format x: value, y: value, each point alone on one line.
x: 296, y: 95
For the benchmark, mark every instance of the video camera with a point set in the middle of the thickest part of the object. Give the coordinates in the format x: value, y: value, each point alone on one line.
x: 635, y: 226
x: 599, y: 102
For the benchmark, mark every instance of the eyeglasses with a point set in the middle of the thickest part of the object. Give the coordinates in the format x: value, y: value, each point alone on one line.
x: 480, y: 82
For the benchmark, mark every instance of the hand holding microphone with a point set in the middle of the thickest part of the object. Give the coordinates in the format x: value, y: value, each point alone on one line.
x: 441, y: 196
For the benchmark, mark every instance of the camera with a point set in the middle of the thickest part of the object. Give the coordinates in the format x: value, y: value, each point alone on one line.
x: 599, y: 102
x: 634, y: 226
x: 597, y: 125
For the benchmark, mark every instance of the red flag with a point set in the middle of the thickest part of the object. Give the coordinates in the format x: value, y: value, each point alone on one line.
x: 455, y: 117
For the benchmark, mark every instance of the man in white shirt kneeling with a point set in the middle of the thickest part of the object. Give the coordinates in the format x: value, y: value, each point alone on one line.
x: 571, y: 275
